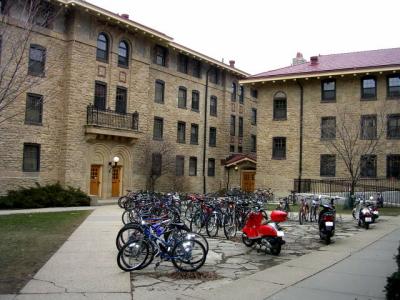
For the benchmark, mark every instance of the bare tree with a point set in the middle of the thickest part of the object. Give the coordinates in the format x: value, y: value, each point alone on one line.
x: 355, y: 139
x: 22, y: 67
x: 160, y: 161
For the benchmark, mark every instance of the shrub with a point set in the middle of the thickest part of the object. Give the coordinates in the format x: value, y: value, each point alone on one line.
x: 393, y: 282
x: 53, y: 195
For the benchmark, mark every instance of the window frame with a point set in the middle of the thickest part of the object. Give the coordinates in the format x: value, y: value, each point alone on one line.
x: 192, y: 140
x: 213, y: 106
x: 213, y: 75
x: 181, y: 132
x: 192, y: 160
x: 32, y: 64
x: 390, y: 160
x: 254, y: 93
x: 363, y: 135
x: 240, y: 131
x: 253, y: 139
x: 396, y: 117
x: 233, y: 125
x: 364, y: 97
x: 241, y: 94
x: 278, y: 115
x: 161, y: 53
x: 40, y: 112
x: 325, y: 135
x: 211, y: 167
x: 195, y: 92
x: 97, y: 97
x: 37, y: 158
x: 183, y: 90
x: 183, y: 63
x: 161, y: 123
x: 123, y: 61
x: 364, y: 159
x: 324, y: 97
x: 159, y: 83
x: 195, y: 68
x: 106, y: 51
x: 232, y: 148
x: 389, y: 94
x: 125, y: 93
x: 254, y: 116
x: 212, y: 137
x: 275, y: 151
x: 327, y: 170
x: 234, y: 92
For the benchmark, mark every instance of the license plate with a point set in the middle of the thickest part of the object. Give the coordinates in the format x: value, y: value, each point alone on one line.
x: 328, y: 224
x: 281, y: 233
x: 368, y: 219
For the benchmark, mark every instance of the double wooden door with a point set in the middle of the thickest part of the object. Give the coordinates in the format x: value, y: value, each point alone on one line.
x: 248, y: 181
x: 116, y: 181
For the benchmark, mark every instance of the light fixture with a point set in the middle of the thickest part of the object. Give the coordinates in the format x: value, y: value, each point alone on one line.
x: 236, y: 168
x: 114, y: 162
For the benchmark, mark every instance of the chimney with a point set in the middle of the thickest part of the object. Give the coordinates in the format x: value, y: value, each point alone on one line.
x: 125, y: 16
x: 232, y: 63
x: 314, y: 60
x: 298, y: 60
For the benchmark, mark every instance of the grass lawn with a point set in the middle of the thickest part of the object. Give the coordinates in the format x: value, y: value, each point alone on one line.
x: 27, y: 241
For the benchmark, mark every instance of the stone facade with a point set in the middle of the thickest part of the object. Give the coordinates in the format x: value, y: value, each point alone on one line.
x: 279, y: 173
x: 69, y: 146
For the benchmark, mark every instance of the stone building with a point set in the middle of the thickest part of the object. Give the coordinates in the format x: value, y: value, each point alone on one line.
x: 114, y: 101
x: 307, y: 109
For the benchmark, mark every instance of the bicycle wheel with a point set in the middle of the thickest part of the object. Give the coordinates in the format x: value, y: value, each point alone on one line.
x: 229, y: 226
x: 133, y: 255
x: 128, y: 232
x: 188, y: 255
x: 127, y: 217
x: 212, y: 225
x: 197, y: 223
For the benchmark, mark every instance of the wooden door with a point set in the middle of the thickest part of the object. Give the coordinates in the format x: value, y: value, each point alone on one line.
x: 116, y: 181
x: 248, y: 181
x: 95, y: 180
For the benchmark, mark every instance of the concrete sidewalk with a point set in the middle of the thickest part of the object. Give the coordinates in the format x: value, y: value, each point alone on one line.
x: 85, y: 266
x: 354, y: 268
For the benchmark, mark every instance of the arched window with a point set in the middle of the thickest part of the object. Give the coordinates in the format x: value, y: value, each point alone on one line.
x: 234, y: 91
x: 280, y: 106
x: 102, y: 47
x: 123, y: 54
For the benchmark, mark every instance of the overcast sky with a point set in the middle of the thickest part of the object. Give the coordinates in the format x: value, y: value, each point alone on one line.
x: 262, y: 35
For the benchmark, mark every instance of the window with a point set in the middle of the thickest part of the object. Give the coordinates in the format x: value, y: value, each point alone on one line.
x: 180, y: 165
x: 123, y: 54
x: 254, y: 93
x: 327, y: 165
x: 240, y: 127
x: 240, y: 149
x: 234, y: 92
x: 194, y: 134
x: 181, y: 134
x: 195, y: 100
x: 182, y: 97
x: 183, y: 63
x: 328, y: 90
x: 393, y: 166
x: 213, y: 106
x: 31, y: 158
x: 213, y: 137
x: 159, y: 91
x: 280, y: 106
x: 196, y: 68
x: 3, y: 6
x: 253, y: 143
x: 393, y: 86
x: 368, y: 88
x: 120, y: 101
x: 100, y: 95
x: 43, y: 14
x: 193, y: 166
x: 368, y: 127
x: 158, y: 128
x: 160, y: 56
x: 393, y: 126
x: 156, y: 164
x: 328, y: 128
x: 231, y: 148
x: 253, y: 116
x: 102, y: 48
x: 233, y: 125
x: 279, y: 148
x: 241, y: 94
x: 213, y: 75
x: 37, y: 58
x: 368, y: 166
x: 34, y: 109
x: 211, y: 167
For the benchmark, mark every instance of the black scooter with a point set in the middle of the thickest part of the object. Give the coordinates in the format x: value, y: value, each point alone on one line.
x: 326, y: 222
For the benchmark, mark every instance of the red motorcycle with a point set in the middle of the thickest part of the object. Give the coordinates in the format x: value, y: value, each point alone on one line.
x: 269, y: 235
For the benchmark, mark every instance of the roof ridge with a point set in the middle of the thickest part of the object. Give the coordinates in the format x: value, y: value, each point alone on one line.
x: 360, y: 51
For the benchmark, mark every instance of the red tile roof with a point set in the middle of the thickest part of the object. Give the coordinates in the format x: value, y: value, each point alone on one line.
x: 238, y: 158
x: 342, y: 61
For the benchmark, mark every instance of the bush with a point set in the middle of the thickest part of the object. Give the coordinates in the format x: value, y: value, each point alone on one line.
x: 393, y: 282
x: 53, y: 195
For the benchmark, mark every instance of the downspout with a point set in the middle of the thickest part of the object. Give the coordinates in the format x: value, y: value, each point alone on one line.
x: 301, y: 136
x: 205, y: 132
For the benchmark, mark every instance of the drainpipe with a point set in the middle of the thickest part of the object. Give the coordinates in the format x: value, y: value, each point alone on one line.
x: 205, y: 131
x: 301, y: 136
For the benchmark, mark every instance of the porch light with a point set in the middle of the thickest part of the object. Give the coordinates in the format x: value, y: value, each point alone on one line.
x: 114, y: 162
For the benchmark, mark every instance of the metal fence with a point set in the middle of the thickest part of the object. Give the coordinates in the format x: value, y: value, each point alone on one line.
x: 112, y: 119
x: 389, y: 188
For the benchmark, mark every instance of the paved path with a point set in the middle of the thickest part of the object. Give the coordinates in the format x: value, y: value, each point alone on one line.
x: 85, y: 266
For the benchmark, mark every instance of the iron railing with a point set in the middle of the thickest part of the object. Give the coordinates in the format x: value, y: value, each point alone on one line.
x: 365, y: 187
x: 112, y: 119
